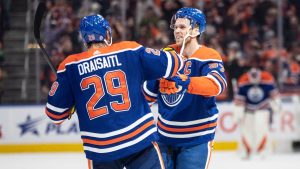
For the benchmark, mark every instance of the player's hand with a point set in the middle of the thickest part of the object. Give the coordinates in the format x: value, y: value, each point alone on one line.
x: 167, y: 86
x: 181, y: 81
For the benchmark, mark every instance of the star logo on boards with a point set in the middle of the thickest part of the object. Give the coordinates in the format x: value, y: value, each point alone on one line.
x: 30, y: 126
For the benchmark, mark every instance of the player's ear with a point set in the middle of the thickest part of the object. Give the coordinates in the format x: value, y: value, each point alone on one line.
x: 195, y: 31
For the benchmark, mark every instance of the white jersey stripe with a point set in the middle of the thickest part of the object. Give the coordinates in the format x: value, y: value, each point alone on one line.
x: 221, y: 77
x: 205, y: 60
x: 170, y: 63
x: 57, y: 121
x: 60, y: 71
x: 121, y: 146
x: 216, y: 81
x: 202, y: 133
x: 117, y: 132
x: 148, y: 91
x: 177, y: 123
x: 56, y: 109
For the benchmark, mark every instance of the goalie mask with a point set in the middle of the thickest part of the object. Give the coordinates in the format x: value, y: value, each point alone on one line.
x: 255, y: 76
x: 195, y: 16
x: 94, y: 28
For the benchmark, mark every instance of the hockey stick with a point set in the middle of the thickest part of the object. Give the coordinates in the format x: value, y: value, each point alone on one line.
x: 39, y: 14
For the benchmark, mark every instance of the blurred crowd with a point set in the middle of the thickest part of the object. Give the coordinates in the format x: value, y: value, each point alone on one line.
x: 242, y: 31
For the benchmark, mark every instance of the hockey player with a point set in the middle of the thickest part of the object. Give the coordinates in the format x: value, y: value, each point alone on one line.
x: 187, y: 115
x: 257, y: 96
x: 117, y: 127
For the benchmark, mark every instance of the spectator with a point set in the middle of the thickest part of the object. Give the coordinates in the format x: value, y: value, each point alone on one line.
x: 1, y: 22
x: 47, y: 76
x: 6, y: 13
x: 1, y: 54
x: 252, y: 24
x: 56, y: 24
x: 169, y: 8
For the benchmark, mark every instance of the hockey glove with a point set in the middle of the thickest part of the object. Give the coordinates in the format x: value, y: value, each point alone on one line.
x: 167, y: 87
x: 181, y: 81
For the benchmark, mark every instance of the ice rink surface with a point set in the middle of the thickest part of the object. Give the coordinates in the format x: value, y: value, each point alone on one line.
x: 220, y: 160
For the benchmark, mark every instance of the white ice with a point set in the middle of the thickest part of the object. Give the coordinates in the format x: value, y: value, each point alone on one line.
x: 219, y: 160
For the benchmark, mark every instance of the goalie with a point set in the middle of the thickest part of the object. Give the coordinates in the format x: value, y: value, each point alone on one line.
x: 256, y: 100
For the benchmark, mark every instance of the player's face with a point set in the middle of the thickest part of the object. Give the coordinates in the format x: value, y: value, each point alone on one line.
x: 181, y: 28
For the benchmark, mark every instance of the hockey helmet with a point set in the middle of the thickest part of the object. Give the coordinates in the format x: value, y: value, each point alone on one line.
x: 93, y: 28
x: 195, y: 16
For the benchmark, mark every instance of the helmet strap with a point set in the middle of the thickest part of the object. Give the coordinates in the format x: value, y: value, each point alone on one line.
x: 110, y: 41
x: 184, y: 39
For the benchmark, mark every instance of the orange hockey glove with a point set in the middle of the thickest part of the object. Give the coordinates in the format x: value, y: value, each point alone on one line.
x: 167, y: 87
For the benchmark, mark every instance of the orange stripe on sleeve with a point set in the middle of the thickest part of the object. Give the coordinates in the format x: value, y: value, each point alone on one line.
x: 203, y: 86
x: 149, y: 99
x: 119, y: 139
x: 66, y: 114
x: 219, y: 78
x: 176, y: 64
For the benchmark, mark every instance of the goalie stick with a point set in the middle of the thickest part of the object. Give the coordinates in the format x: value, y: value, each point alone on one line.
x: 39, y: 14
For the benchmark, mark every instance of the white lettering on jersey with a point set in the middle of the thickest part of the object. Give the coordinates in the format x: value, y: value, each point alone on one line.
x: 98, y: 63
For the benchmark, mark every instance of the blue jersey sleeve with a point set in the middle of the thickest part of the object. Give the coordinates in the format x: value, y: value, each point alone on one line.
x: 150, y: 90
x: 157, y: 63
x: 60, y: 99
x: 216, y: 72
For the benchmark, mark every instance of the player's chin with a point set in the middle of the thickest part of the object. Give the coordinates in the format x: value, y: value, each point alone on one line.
x: 178, y: 42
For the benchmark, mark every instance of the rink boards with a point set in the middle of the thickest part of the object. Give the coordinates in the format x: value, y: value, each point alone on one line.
x: 27, y: 129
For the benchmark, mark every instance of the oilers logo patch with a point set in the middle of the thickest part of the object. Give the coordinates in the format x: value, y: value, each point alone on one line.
x: 172, y: 100
x: 255, y: 94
